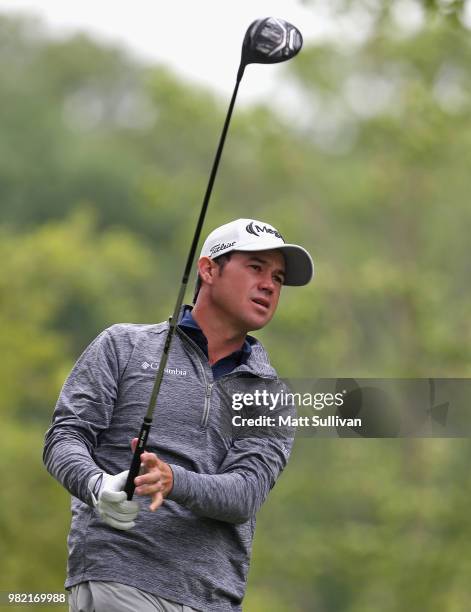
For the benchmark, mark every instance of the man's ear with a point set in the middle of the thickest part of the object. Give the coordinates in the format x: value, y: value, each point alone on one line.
x: 207, y: 269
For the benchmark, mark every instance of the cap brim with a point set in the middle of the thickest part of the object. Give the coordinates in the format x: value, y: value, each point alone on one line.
x: 299, y: 265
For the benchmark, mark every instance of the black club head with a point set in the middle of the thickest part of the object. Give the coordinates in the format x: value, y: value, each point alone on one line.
x: 269, y: 41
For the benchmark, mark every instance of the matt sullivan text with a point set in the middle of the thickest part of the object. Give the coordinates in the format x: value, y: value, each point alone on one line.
x: 292, y: 421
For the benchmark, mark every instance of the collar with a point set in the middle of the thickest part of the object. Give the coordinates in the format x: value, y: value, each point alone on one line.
x: 187, y: 322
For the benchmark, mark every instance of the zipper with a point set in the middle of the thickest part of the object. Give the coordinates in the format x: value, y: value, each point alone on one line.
x: 207, y: 403
x: 207, y: 385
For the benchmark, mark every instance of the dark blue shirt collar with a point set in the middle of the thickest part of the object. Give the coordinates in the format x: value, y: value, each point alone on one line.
x: 225, y: 365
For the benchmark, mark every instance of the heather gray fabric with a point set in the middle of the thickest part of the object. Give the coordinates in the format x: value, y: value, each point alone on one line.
x: 115, y: 597
x: 196, y: 548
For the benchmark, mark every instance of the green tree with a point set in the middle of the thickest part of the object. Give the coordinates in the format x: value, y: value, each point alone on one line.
x: 60, y: 285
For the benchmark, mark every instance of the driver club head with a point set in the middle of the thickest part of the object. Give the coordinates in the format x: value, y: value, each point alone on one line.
x: 270, y: 40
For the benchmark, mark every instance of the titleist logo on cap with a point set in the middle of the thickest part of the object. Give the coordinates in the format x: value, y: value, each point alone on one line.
x: 256, y: 230
x: 221, y: 247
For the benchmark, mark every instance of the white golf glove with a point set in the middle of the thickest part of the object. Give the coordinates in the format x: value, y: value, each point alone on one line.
x: 111, y: 501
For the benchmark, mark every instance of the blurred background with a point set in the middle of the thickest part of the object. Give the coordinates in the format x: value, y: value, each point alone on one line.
x: 360, y: 150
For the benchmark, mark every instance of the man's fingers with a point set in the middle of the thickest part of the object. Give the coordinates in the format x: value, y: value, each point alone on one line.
x: 148, y: 478
x: 122, y: 525
x: 148, y: 457
x: 157, y: 502
x: 113, y: 496
x: 117, y: 514
x: 150, y: 460
x: 148, y: 482
x: 149, y: 489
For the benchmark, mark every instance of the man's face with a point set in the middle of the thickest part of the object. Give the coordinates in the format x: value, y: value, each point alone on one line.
x: 248, y: 288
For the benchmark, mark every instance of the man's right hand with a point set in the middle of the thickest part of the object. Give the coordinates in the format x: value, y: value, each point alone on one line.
x: 111, y: 501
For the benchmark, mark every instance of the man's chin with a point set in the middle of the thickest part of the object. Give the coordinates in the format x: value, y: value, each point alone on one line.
x: 255, y: 323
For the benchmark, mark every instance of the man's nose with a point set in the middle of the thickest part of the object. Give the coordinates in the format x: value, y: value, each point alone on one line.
x: 267, y: 283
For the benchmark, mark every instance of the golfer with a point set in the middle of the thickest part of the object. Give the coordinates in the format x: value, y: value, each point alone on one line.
x: 184, y: 542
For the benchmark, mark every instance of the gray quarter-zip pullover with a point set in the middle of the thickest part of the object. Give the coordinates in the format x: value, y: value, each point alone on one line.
x: 195, y: 549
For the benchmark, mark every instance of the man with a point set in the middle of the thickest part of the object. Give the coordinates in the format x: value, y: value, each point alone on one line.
x: 206, y: 478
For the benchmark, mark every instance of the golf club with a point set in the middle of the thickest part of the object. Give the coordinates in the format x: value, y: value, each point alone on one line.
x: 267, y: 41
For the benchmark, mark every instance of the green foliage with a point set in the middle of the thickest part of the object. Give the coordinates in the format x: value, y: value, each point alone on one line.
x: 36, y: 518
x: 60, y: 285
x: 388, y: 226
x: 369, y: 525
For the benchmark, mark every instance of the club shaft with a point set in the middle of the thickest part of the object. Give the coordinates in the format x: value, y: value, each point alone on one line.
x: 145, y: 428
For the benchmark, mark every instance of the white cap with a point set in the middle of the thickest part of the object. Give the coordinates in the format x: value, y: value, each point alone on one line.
x: 252, y: 235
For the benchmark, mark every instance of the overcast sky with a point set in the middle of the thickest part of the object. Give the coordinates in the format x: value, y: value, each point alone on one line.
x: 200, y: 40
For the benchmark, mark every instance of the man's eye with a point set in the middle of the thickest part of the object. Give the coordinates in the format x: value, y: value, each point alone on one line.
x: 278, y: 279
x: 255, y: 267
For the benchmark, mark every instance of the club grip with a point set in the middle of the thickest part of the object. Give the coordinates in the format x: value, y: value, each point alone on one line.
x: 136, y: 459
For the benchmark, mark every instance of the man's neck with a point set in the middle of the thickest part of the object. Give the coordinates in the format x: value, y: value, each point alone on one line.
x: 222, y: 338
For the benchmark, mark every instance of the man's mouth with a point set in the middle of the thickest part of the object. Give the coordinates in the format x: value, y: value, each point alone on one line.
x: 261, y: 302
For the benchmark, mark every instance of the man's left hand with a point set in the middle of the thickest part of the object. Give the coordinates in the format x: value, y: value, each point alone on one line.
x: 156, y: 479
